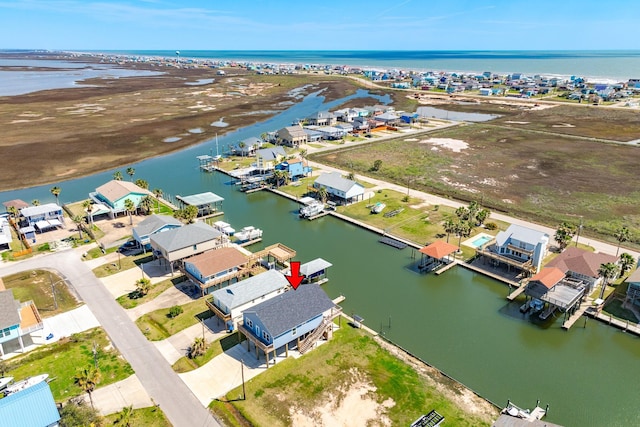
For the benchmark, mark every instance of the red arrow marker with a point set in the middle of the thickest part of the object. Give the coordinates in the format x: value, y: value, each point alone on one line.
x: 296, y: 277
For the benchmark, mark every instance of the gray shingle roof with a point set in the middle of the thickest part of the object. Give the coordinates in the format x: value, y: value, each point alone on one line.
x: 9, y: 315
x: 189, y: 235
x: 155, y: 222
x: 249, y: 289
x: 520, y: 233
x: 292, y: 308
x: 271, y: 153
x: 335, y: 180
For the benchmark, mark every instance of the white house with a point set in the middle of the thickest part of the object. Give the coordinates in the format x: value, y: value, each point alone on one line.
x: 43, y: 216
x: 229, y: 303
x: 152, y: 225
x: 524, y: 244
x: 345, y: 190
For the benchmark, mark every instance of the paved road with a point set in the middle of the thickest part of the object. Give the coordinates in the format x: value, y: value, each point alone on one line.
x: 161, y: 383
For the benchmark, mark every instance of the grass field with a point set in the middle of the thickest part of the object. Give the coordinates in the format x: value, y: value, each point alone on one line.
x: 547, y: 178
x: 132, y: 300
x: 157, y: 325
x: 185, y: 364
x: 35, y: 285
x: 61, y: 361
x: 124, y: 263
x: 142, y: 417
x: 324, y: 374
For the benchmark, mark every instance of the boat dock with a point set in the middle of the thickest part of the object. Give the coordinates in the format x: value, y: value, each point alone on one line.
x: 513, y: 295
x: 393, y: 242
x: 316, y: 216
x: 339, y: 299
x: 490, y: 274
x: 445, y: 267
x: 254, y: 189
x: 250, y: 242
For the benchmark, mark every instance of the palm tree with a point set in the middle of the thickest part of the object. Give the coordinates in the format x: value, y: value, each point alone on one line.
x: 241, y: 145
x: 147, y: 204
x: 482, y: 216
x: 626, y: 262
x: 158, y: 193
x: 190, y: 213
x: 130, y: 207
x: 142, y: 183
x: 198, y: 347
x: 449, y: 227
x: 280, y: 176
x: 13, y: 211
x: 463, y: 229
x: 124, y: 417
x: 303, y: 153
x: 117, y: 175
x: 88, y: 207
x: 56, y: 192
x: 131, y: 171
x: 351, y: 176
x: 462, y: 213
x: 622, y: 235
x: 35, y: 202
x: 608, y: 272
x: 323, y: 194
x: 563, y: 235
x: 78, y: 220
x: 143, y: 286
x: 473, y: 209
x: 87, y: 379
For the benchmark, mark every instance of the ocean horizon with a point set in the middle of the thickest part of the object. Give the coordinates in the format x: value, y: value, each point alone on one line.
x: 594, y: 65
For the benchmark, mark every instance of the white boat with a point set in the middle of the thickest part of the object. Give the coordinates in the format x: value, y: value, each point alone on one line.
x: 248, y: 233
x: 24, y: 384
x: 378, y: 207
x: 4, y: 382
x: 224, y: 227
x: 311, y: 209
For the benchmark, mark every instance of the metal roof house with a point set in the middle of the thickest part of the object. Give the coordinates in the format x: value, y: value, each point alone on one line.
x: 292, y: 136
x: 207, y: 203
x: 267, y: 158
x: 300, y: 316
x: 522, y: 244
x: 229, y: 303
x: 180, y: 243
x: 344, y: 190
x: 31, y: 407
x: 16, y: 320
x: 210, y: 269
x: 152, y: 225
x: 43, y: 216
x: 315, y: 271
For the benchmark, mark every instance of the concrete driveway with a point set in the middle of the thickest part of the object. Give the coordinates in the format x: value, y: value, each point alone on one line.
x: 177, y: 346
x: 112, y: 398
x: 179, y: 294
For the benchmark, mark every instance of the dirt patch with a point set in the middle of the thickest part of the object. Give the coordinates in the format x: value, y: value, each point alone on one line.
x: 454, y: 145
x: 352, y: 405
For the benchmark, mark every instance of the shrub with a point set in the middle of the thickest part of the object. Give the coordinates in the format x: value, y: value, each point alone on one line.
x: 405, y: 198
x: 491, y: 226
x: 175, y: 311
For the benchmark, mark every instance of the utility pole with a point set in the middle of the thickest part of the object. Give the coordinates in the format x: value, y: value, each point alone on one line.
x: 244, y: 392
x: 579, y: 229
x: 53, y: 292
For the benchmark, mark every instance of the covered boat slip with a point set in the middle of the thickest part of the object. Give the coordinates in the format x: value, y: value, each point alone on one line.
x: 435, y: 255
x: 207, y: 203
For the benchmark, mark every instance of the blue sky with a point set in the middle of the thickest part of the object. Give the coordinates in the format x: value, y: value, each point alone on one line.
x: 319, y: 24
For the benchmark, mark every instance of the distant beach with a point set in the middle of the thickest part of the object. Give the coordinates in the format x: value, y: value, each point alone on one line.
x: 608, y: 66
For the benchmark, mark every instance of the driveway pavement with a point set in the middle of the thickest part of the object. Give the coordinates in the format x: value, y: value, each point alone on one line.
x: 114, y: 397
x: 177, y: 346
x: 161, y: 383
x: 179, y: 294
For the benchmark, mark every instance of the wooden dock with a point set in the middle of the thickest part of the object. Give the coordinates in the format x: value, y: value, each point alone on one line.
x: 490, y: 274
x: 445, y: 267
x: 250, y: 242
x: 320, y: 215
x: 513, y: 295
x: 393, y: 242
x: 575, y: 316
x: 253, y: 190
x: 339, y: 299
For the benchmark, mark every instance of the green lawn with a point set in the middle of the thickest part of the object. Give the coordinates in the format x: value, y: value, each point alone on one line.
x: 35, y: 285
x: 323, y: 375
x: 97, y: 253
x: 185, y: 364
x: 143, y: 417
x: 124, y: 263
x: 61, y: 361
x: 157, y: 325
x: 131, y: 300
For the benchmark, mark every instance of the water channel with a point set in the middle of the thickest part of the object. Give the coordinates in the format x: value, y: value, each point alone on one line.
x: 459, y: 322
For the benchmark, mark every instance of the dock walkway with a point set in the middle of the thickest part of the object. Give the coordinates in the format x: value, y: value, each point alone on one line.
x: 490, y: 274
x: 513, y: 295
x: 446, y: 267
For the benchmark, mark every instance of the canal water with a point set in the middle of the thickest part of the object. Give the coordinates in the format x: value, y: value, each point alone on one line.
x: 460, y: 322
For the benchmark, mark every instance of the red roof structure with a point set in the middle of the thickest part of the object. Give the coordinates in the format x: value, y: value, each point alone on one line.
x: 439, y: 249
x: 548, y: 276
x: 17, y: 203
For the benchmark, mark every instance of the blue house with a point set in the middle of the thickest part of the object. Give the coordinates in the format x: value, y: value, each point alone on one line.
x: 296, y: 168
x: 152, y: 225
x: 16, y: 320
x: 300, y: 316
x: 522, y: 244
x: 33, y: 406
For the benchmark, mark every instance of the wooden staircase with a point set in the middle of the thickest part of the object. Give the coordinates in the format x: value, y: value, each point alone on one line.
x: 310, y: 340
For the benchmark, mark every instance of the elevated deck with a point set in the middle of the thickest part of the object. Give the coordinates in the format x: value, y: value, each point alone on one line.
x: 392, y: 242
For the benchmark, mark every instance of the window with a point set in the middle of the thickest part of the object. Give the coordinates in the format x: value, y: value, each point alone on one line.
x: 5, y: 332
x: 265, y: 336
x: 249, y: 323
x: 294, y: 331
x: 195, y: 247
